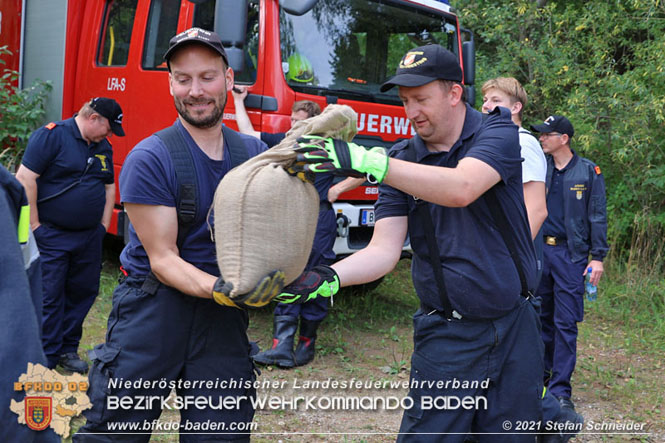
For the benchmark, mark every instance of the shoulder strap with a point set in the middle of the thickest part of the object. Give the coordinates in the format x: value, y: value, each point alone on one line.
x: 504, y: 228
x: 237, y: 147
x: 187, y: 198
x: 183, y: 163
x: 187, y: 192
x: 423, y: 214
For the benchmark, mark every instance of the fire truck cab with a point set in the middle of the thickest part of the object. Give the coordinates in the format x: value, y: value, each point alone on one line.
x: 328, y: 51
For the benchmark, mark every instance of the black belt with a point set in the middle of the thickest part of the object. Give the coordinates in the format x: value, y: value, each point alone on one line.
x: 325, y: 205
x: 554, y: 241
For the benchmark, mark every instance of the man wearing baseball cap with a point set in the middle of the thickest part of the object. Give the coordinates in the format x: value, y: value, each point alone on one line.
x: 476, y: 323
x: 67, y: 171
x: 170, y: 325
x: 109, y: 108
x: 575, y: 234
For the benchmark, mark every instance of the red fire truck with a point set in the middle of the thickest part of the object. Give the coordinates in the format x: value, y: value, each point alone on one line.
x: 328, y: 51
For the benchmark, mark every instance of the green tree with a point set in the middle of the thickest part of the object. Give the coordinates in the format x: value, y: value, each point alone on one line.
x: 601, y: 64
x: 21, y: 112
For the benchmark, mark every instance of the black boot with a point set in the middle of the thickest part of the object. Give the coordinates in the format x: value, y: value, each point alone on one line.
x: 305, y: 348
x: 281, y: 353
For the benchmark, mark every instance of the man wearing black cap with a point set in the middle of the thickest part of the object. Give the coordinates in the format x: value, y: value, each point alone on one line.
x: 170, y: 325
x: 575, y: 229
x: 476, y: 335
x: 67, y: 172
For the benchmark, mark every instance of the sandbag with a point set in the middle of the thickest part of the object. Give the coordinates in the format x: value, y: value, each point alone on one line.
x: 265, y: 219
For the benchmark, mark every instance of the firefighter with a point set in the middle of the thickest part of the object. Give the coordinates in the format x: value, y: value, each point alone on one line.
x: 575, y: 229
x: 67, y: 171
x: 477, y: 320
x: 170, y: 323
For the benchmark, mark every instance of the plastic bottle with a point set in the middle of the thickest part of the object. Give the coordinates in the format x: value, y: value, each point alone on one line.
x: 590, y: 290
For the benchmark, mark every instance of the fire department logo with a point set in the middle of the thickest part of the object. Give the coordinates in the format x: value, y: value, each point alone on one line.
x: 579, y: 189
x: 38, y: 412
x: 192, y: 33
x: 409, y: 60
x: 51, y: 399
x: 102, y: 159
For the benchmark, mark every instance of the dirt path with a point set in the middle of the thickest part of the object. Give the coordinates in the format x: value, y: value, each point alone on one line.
x: 613, y: 390
x: 616, y: 382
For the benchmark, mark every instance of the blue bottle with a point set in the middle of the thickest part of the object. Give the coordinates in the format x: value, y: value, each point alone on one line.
x: 590, y: 290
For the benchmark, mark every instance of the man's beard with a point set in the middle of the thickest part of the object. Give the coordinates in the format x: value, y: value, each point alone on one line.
x: 204, y: 121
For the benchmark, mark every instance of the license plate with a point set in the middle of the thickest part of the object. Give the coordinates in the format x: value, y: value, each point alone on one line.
x: 367, y: 217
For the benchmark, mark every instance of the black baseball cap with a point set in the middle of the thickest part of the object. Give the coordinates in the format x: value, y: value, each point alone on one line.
x: 109, y: 108
x: 423, y: 65
x: 555, y: 123
x: 196, y: 35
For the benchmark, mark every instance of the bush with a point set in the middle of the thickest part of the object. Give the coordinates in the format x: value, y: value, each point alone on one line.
x: 21, y: 112
x: 601, y: 64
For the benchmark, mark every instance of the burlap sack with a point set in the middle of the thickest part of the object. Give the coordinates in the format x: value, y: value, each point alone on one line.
x: 265, y: 219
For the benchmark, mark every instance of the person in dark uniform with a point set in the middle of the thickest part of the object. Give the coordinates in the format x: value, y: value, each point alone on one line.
x: 170, y: 325
x: 312, y: 313
x: 575, y: 229
x: 20, y: 298
x: 300, y: 110
x: 67, y: 171
x: 509, y: 93
x: 474, y: 325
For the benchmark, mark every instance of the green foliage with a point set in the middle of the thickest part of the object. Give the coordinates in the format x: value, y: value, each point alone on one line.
x: 21, y: 112
x: 601, y: 64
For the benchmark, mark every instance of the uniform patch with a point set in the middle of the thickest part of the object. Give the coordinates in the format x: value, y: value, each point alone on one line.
x: 50, y: 126
x: 38, y: 412
x: 579, y: 190
x: 597, y: 169
x: 102, y: 159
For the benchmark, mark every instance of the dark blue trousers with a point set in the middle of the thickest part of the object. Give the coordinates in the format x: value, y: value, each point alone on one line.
x: 561, y: 290
x: 71, y: 266
x: 20, y: 341
x: 180, y: 342
x: 322, y: 254
x: 507, y: 351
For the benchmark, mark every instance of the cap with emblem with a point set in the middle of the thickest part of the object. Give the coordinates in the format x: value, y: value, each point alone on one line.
x: 196, y: 35
x: 109, y: 108
x: 423, y: 65
x: 555, y: 123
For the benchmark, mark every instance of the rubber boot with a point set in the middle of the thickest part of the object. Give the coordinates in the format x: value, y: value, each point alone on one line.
x: 281, y: 353
x: 305, y: 348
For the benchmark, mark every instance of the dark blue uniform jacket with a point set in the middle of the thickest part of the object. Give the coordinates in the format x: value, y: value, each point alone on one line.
x: 584, y: 207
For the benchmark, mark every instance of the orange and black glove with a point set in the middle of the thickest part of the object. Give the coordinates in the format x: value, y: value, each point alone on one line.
x: 262, y: 294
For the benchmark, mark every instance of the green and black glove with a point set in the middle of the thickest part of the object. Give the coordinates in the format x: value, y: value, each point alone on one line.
x: 264, y: 292
x: 320, y: 281
x: 317, y: 154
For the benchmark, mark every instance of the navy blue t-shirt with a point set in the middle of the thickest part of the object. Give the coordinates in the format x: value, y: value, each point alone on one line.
x: 480, y: 277
x: 148, y: 177
x: 60, y: 156
x: 271, y: 139
x: 555, y: 225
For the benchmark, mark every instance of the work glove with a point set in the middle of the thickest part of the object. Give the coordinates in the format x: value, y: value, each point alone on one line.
x: 297, y: 169
x: 320, y: 281
x: 318, y: 154
x: 266, y: 290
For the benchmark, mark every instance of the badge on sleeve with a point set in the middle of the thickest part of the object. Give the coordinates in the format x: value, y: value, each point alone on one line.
x: 597, y: 169
x: 50, y: 126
